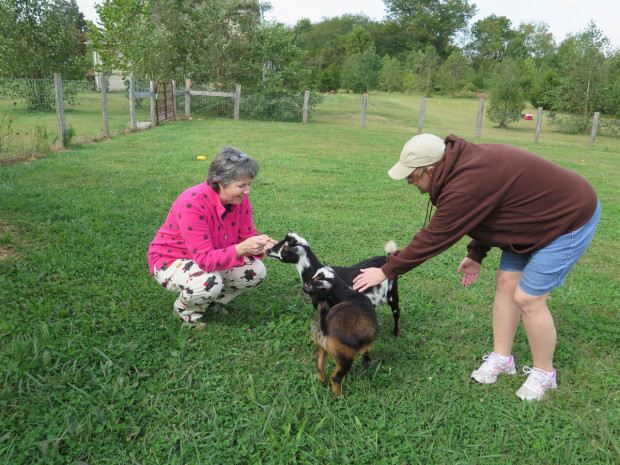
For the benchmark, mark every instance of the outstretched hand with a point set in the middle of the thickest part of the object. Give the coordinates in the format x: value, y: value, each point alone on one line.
x: 255, y: 245
x: 368, y: 277
x: 470, y: 270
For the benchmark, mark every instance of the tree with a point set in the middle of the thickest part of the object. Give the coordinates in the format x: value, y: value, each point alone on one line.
x: 431, y: 22
x: 584, y: 61
x: 491, y: 37
x: 533, y: 40
x: 611, y: 93
x: 361, y: 72
x: 425, y: 66
x: 507, y: 101
x: 121, y: 40
x: 150, y: 37
x: 390, y: 38
x: 37, y: 39
x: 358, y: 40
x: 391, y: 75
x: 330, y: 78
x: 276, y: 62
x: 330, y: 32
x: 453, y: 72
x: 542, y: 94
x: 40, y: 37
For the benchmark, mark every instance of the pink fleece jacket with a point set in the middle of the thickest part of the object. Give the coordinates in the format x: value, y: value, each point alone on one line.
x: 194, y: 229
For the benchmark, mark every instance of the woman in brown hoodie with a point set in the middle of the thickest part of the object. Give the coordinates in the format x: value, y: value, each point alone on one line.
x: 542, y: 216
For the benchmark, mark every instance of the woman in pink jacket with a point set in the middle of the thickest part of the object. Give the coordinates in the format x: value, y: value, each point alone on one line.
x: 208, y: 250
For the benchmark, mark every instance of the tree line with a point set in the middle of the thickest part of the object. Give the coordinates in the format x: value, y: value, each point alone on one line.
x: 421, y: 46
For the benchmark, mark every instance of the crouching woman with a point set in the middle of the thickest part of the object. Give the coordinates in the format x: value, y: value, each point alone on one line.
x: 208, y: 250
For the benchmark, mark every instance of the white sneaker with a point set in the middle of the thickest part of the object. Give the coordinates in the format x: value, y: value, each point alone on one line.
x: 536, y: 384
x: 492, y: 367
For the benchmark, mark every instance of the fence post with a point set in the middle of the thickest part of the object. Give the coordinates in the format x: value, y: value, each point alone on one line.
x: 60, y: 110
x: 479, y: 123
x: 305, y: 113
x: 132, y: 103
x: 174, y: 99
x: 103, y: 85
x: 237, y: 101
x: 364, y: 105
x: 538, y: 124
x: 422, y: 111
x: 597, y: 115
x: 153, y: 104
x: 188, y: 84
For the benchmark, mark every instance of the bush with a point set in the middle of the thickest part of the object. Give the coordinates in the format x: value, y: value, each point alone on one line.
x: 262, y: 106
x: 39, y: 94
x: 277, y: 107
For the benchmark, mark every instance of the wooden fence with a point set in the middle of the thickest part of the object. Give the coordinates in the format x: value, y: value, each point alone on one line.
x: 480, y: 119
x: 187, y: 95
x: 188, y: 92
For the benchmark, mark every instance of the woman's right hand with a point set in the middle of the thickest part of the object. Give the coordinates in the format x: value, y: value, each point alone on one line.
x: 255, y: 245
x: 470, y: 270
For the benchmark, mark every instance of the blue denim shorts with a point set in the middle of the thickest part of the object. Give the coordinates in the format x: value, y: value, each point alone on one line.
x: 546, y: 268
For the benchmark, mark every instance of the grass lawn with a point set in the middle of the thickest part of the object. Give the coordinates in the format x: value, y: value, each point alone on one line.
x: 95, y: 369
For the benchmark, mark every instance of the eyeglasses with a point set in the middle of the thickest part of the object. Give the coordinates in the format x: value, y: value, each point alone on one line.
x: 238, y: 157
x: 416, y: 174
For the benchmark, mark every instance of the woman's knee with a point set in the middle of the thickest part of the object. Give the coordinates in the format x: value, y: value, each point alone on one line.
x: 530, y: 304
x: 254, y: 273
x: 260, y: 270
x: 507, y: 281
x: 204, y: 287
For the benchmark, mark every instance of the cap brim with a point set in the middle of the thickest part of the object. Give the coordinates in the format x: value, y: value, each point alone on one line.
x: 400, y: 171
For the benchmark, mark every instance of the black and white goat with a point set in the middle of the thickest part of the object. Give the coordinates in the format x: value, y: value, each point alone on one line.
x: 345, y: 324
x: 295, y: 249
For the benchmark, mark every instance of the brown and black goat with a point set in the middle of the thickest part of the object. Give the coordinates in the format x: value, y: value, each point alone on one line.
x: 295, y: 249
x: 345, y: 324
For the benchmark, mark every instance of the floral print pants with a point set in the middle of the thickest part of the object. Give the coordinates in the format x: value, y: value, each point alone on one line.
x: 197, y: 288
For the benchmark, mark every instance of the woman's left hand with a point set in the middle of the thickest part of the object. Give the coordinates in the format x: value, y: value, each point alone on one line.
x: 270, y: 243
x: 367, y: 278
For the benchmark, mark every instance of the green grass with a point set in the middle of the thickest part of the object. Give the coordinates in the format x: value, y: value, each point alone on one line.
x: 95, y: 369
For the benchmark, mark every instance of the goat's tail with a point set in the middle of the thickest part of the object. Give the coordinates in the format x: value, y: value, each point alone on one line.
x: 322, y: 311
x: 390, y: 247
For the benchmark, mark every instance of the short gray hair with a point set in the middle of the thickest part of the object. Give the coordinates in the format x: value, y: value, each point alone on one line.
x: 230, y: 165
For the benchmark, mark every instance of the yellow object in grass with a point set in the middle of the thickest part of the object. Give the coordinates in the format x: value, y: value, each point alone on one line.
x: 201, y: 157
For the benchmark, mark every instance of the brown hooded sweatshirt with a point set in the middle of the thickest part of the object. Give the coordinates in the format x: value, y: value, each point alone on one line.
x: 500, y: 196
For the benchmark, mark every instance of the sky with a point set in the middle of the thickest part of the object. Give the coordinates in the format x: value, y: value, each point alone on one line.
x: 563, y: 16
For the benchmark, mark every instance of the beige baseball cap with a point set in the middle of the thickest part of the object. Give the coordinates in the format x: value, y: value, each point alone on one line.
x: 421, y: 150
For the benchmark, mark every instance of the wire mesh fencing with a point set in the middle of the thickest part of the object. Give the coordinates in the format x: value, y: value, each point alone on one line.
x: 32, y: 119
x: 256, y: 106
x: 29, y: 120
x: 27, y: 115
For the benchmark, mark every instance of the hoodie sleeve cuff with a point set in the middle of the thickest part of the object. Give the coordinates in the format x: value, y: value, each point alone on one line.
x: 388, y: 273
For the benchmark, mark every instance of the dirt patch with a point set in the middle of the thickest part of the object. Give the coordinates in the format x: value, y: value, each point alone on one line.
x: 370, y: 117
x: 21, y: 158
x: 8, y: 238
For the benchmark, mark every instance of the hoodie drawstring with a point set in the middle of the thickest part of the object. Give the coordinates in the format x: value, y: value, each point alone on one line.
x: 429, y: 212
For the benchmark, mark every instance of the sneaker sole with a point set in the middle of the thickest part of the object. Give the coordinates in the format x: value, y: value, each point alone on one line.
x: 514, y: 372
